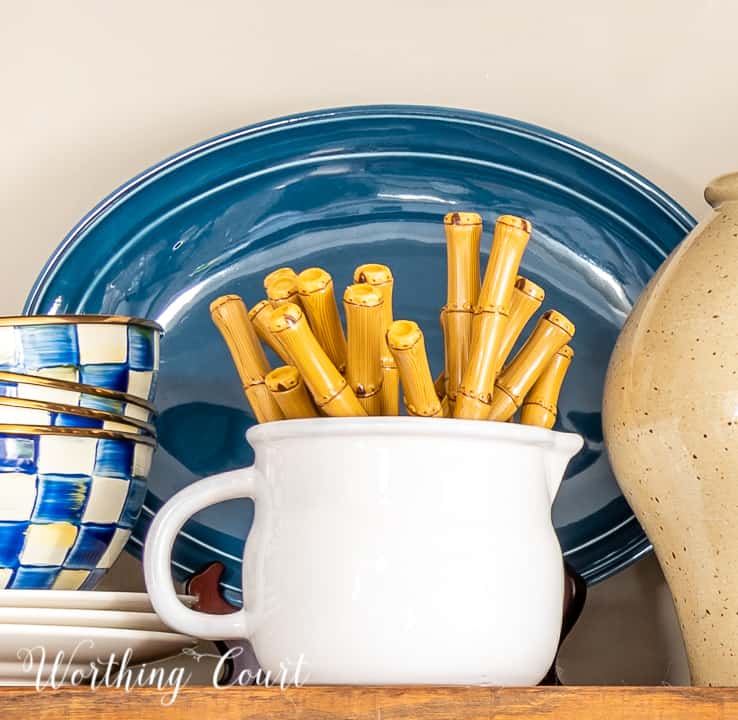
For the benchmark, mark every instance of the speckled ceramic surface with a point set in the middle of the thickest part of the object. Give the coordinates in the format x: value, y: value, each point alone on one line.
x: 670, y: 418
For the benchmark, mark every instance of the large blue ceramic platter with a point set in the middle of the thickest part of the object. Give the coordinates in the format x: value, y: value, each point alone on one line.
x: 338, y: 188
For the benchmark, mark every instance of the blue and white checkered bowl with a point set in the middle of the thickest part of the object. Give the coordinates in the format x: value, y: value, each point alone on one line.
x: 68, y: 501
x: 50, y: 390
x: 116, y: 353
x: 19, y: 411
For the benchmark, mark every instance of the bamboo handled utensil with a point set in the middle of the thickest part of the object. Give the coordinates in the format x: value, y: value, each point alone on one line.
x: 329, y: 388
x: 443, y: 377
x: 283, y: 289
x: 440, y: 385
x: 474, y: 395
x: 551, y: 333
x: 300, y: 322
x: 526, y: 299
x: 540, y: 404
x: 315, y: 286
x: 463, y: 231
x: 364, y: 309
x: 260, y: 315
x: 231, y: 317
x: 290, y: 393
x: 277, y: 274
x: 405, y: 340
x: 380, y: 278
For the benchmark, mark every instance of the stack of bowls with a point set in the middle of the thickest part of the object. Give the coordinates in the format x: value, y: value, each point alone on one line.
x: 76, y: 443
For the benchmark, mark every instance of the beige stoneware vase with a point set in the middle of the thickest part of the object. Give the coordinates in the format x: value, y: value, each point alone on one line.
x: 670, y: 418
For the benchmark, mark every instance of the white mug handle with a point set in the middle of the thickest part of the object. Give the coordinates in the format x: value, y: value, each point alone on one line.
x: 158, y: 550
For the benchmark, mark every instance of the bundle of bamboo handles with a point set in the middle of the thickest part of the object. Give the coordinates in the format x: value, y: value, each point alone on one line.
x: 329, y: 372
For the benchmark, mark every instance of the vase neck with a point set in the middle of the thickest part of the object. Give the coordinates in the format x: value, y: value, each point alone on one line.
x: 722, y: 190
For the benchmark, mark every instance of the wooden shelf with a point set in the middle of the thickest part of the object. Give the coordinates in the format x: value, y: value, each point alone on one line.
x: 375, y: 703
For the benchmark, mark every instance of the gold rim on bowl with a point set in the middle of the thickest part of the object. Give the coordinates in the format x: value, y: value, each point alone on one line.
x: 92, y: 413
x: 78, y: 320
x: 32, y: 430
x: 72, y: 386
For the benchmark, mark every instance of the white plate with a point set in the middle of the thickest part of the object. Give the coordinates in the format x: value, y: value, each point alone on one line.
x: 80, y: 647
x: 82, y: 618
x: 13, y: 673
x: 81, y: 600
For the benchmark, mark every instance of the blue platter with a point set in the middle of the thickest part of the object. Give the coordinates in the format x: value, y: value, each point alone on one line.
x: 338, y: 188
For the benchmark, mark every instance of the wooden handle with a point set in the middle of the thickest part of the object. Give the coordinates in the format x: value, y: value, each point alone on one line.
x: 457, y: 342
x: 327, y: 386
x: 551, y: 333
x: 405, y: 340
x: 231, y: 317
x: 262, y: 403
x: 364, y: 309
x: 444, y: 333
x: 440, y: 385
x: 540, y: 404
x: 508, y: 245
x: 374, y: 274
x: 260, y: 315
x: 277, y: 274
x: 474, y: 396
x: 526, y: 299
x: 283, y: 289
x: 319, y: 301
x: 493, y: 309
x: 463, y: 233
x: 380, y: 278
x: 390, y: 393
x: 290, y: 393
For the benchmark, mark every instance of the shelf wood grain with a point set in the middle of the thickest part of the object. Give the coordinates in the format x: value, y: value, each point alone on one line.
x: 375, y: 703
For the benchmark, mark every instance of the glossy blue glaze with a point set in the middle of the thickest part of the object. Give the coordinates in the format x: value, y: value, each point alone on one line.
x: 34, y: 578
x: 46, y: 346
x: 140, y: 348
x: 12, y: 535
x: 127, y: 363
x: 67, y: 420
x: 60, y: 498
x: 91, y: 544
x: 134, y: 503
x: 112, y: 377
x: 18, y: 454
x: 114, y: 458
x: 92, y: 402
x: 342, y: 187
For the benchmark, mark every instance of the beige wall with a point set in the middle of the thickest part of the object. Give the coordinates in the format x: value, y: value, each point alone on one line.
x: 92, y: 92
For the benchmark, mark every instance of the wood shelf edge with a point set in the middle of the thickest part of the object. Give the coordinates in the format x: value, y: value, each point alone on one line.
x: 358, y: 703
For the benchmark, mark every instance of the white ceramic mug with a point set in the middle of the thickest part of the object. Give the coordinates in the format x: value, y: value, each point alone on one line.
x: 388, y: 551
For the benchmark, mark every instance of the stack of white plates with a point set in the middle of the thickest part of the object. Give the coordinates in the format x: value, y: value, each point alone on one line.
x: 66, y: 637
